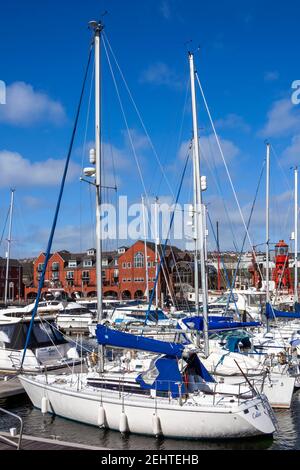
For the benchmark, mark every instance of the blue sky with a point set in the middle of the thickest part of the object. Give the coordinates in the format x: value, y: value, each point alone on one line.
x: 246, y: 57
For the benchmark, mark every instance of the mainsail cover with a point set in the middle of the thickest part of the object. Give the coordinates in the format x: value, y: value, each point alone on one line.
x: 272, y: 313
x: 196, y: 323
x: 118, y: 339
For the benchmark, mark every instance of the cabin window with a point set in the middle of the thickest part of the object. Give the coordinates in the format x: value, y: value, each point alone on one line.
x: 43, y: 333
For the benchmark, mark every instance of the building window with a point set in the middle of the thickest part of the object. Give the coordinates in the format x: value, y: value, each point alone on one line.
x: 91, y: 252
x: 138, y: 279
x: 70, y: 274
x: 105, y: 262
x: 85, y: 274
x: 55, y: 266
x: 87, y: 263
x: 116, y: 262
x: 124, y: 265
x: 40, y: 267
x: 128, y: 265
x: 70, y: 283
x: 72, y: 264
x: 55, y: 276
x: 138, y: 260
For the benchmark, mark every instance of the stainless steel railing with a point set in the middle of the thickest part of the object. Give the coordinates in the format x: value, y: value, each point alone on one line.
x: 6, y: 439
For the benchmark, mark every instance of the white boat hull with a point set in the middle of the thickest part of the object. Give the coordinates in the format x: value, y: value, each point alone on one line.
x: 89, y: 406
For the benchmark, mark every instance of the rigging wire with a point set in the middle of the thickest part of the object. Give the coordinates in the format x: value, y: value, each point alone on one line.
x: 138, y: 114
x: 48, y: 251
x: 125, y: 120
x: 166, y: 241
x: 226, y: 168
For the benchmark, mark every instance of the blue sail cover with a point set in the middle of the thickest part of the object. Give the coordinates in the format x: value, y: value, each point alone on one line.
x: 272, y: 313
x: 196, y: 323
x: 163, y: 376
x: 118, y: 339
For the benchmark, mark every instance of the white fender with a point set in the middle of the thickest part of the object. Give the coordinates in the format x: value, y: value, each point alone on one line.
x: 45, y: 405
x: 123, y: 427
x: 101, y: 417
x: 156, y: 425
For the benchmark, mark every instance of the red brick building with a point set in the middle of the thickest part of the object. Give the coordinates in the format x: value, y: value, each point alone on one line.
x: 124, y: 273
x: 123, y: 270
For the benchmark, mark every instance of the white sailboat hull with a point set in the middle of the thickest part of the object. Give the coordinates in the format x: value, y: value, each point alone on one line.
x: 89, y: 406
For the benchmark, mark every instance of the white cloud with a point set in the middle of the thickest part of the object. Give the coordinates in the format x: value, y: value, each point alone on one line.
x: 233, y: 121
x: 165, y: 10
x: 282, y: 119
x: 160, y: 73
x: 209, y: 149
x: 26, y: 106
x: 271, y: 76
x: 291, y: 154
x: 33, y: 202
x: 17, y: 171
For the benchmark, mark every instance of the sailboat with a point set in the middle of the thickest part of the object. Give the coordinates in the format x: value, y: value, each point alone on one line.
x: 276, y: 379
x: 173, y: 396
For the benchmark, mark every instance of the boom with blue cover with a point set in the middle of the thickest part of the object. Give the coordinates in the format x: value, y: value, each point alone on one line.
x: 196, y: 323
x: 272, y: 313
x: 119, y: 339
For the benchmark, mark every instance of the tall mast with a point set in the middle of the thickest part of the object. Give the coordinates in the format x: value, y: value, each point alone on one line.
x: 9, y: 244
x: 195, y: 230
x: 296, y: 236
x: 267, y: 221
x: 145, y: 250
x: 156, y: 234
x: 199, y: 212
x: 267, y: 226
x: 218, y: 248
x: 98, y: 27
